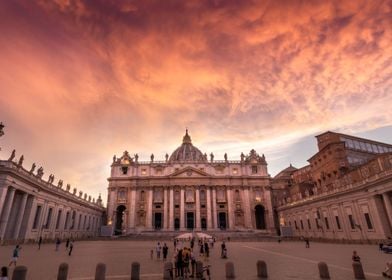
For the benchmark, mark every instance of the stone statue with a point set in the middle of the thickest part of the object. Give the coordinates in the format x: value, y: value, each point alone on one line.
x: 212, y: 157
x: 85, y: 196
x: 74, y: 191
x: 40, y: 172
x: 114, y: 158
x: 225, y: 156
x: 307, y: 193
x: 93, y: 200
x: 32, y: 168
x: 205, y: 156
x: 136, y: 157
x: 21, y: 159
x: 152, y: 157
x: 242, y: 157
x: 80, y: 193
x: 89, y: 198
x: 12, y: 155
x: 167, y: 157
x: 68, y: 187
x: 60, y: 184
x: 51, y: 179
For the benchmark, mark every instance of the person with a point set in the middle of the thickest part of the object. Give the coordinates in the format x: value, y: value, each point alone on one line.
x: 58, y: 242
x: 67, y: 244
x: 380, y: 246
x: 4, y: 273
x: 70, y: 247
x: 15, y: 255
x: 152, y: 254
x: 180, y: 271
x: 158, y: 250
x: 223, y: 250
x: 193, y: 265
x: 388, y: 272
x: 185, y: 262
x: 39, y: 242
x: 201, y: 249
x: 206, y: 250
x: 307, y: 244
x: 165, y: 249
x: 355, y: 257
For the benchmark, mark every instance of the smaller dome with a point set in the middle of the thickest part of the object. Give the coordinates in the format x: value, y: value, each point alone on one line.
x: 187, y: 152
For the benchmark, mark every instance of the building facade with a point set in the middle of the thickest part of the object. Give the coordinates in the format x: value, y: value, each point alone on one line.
x: 344, y: 192
x: 31, y: 207
x: 188, y: 191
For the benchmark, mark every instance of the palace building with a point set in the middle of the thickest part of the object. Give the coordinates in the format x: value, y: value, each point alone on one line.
x: 343, y: 194
x: 189, y: 191
x: 32, y: 207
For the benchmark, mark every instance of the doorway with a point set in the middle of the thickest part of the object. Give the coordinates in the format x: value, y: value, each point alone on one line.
x: 222, y: 220
x: 203, y: 224
x: 259, y: 215
x: 190, y: 220
x: 176, y: 224
x: 158, y: 220
x: 119, y: 220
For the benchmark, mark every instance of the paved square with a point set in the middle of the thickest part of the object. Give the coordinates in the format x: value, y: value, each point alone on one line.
x: 287, y: 260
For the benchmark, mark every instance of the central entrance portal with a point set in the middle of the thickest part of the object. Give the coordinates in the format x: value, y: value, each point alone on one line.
x: 158, y: 220
x: 222, y: 220
x: 190, y: 220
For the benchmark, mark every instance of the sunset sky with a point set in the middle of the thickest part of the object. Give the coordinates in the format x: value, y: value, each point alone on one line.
x: 81, y: 81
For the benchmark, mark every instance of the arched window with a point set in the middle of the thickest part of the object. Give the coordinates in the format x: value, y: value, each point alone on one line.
x: 142, y: 196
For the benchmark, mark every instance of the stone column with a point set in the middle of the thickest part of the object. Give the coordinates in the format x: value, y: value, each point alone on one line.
x: 149, y: 209
x: 214, y: 213
x: 171, y: 209
x: 3, y: 194
x: 132, y: 209
x: 198, y: 227
x: 247, y: 212
x: 19, y: 218
x: 6, y: 212
x: 209, y: 222
x: 182, y: 210
x: 165, y: 210
x: 230, y: 209
x: 388, y: 207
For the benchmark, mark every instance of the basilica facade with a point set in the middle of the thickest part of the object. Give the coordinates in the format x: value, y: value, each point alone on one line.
x: 189, y: 190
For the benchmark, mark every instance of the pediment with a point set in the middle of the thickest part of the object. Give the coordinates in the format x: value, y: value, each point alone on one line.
x: 189, y: 172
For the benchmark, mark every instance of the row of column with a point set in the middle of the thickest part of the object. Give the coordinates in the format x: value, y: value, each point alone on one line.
x: 211, y: 209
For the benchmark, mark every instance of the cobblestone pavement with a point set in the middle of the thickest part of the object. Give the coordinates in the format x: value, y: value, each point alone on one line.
x: 287, y: 260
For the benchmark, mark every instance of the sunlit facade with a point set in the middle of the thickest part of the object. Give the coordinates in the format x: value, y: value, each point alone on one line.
x: 189, y: 190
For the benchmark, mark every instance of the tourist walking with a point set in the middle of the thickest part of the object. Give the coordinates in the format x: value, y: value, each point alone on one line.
x: 4, y: 273
x: 39, y: 242
x: 158, y: 250
x: 355, y: 257
x: 307, y: 243
x: 58, y: 242
x: 223, y: 250
x: 15, y: 255
x: 165, y: 250
x: 180, y: 271
x: 206, y: 250
x: 67, y: 244
x: 70, y: 247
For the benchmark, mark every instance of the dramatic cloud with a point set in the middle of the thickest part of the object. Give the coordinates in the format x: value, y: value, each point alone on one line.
x: 82, y: 80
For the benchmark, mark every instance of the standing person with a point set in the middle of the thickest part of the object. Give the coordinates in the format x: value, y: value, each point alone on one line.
x: 165, y: 249
x: 70, y: 247
x: 206, y: 250
x: 58, y: 242
x: 39, y: 242
x: 158, y: 250
x: 15, y: 255
x: 179, y: 262
x: 67, y: 244
x: 4, y: 273
x: 355, y: 257
x: 193, y: 264
x: 223, y: 250
x: 152, y: 254
x: 201, y: 249
x: 307, y: 244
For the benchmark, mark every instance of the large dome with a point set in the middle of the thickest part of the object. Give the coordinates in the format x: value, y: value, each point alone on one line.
x: 187, y: 152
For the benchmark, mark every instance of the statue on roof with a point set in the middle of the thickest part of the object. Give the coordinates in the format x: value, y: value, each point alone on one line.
x: 152, y: 157
x: 32, y: 168
x: 136, y: 157
x: 211, y: 157
x: 114, y: 158
x: 166, y: 157
x: 20, y: 162
x: 242, y: 157
x: 60, y: 184
x: 12, y: 156
x: 51, y: 179
x: 40, y: 172
x: 68, y: 187
x: 225, y: 156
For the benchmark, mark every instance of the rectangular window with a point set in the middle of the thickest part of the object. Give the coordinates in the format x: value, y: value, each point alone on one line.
x: 309, y: 226
x: 58, y: 219
x: 37, y: 216
x: 326, y: 222
x: 317, y: 223
x: 254, y: 169
x: 302, y: 225
x: 368, y: 221
x: 84, y: 223
x: 66, y: 221
x: 49, y: 218
x: 295, y: 223
x: 337, y: 222
x: 351, y: 219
